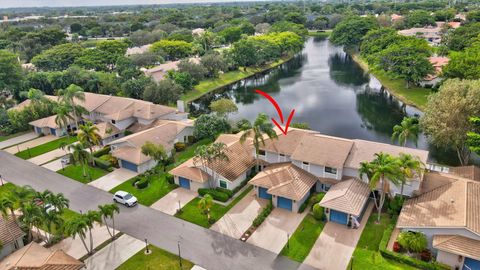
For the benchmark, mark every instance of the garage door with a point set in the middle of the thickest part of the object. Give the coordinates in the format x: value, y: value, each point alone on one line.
x: 284, y: 203
x: 471, y: 264
x: 338, y: 217
x: 184, y: 182
x: 53, y: 132
x: 262, y: 193
x: 128, y: 165
x: 38, y: 130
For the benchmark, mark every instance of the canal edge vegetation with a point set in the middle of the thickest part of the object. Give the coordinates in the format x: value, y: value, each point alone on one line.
x: 414, y: 96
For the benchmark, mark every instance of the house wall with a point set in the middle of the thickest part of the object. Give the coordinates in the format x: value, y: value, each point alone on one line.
x: 145, y: 121
x: 183, y: 136
x: 194, y: 186
x: 112, y: 138
x: 10, y: 248
x: 123, y: 124
x: 318, y: 170
x: 146, y: 166
x: 451, y: 259
x: 175, y: 116
x: 272, y: 157
x: 230, y: 184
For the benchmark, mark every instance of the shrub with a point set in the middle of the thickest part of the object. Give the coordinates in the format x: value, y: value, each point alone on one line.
x: 395, y: 205
x: 242, y: 184
x: 102, y: 163
x: 191, y: 139
x: 170, y: 179
x: 104, y: 151
x: 141, y: 183
x: 179, y: 146
x: 412, y: 241
x: 303, y: 206
x: 396, y: 247
x: 216, y: 195
x: 426, y: 255
x: 127, y: 132
x: 317, y: 212
x: 316, y: 198
x: 263, y: 215
x: 226, y: 191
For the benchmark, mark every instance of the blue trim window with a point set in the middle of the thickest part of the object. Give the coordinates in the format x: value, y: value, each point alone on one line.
x: 223, y: 184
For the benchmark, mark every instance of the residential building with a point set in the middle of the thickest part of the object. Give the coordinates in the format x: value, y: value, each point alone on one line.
x: 49, y: 126
x: 438, y: 62
x: 228, y: 173
x: 35, y: 257
x: 128, y: 150
x: 432, y: 34
x: 447, y: 211
x: 11, y: 236
x: 159, y: 72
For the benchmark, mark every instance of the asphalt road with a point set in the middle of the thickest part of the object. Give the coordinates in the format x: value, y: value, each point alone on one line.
x: 204, y: 247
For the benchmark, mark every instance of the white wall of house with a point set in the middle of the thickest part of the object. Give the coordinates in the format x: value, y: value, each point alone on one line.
x: 350, y: 172
x: 272, y: 157
x: 112, y: 138
x: 183, y: 135
x: 318, y: 170
x: 145, y: 121
x: 430, y: 232
x: 10, y: 248
x: 146, y: 166
x: 59, y: 132
x: 408, y: 188
x: 174, y: 116
x: 230, y: 184
x: 451, y: 259
x: 123, y: 124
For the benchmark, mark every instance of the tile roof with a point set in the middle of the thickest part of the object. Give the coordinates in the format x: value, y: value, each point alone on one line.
x: 47, y: 122
x: 130, y: 154
x: 458, y: 244
x: 190, y: 171
x: 470, y: 172
x: 323, y: 150
x: 347, y: 196
x: 456, y: 204
x: 10, y: 231
x: 106, y: 129
x: 286, y: 144
x: 285, y: 180
x: 33, y: 256
x: 27, y: 102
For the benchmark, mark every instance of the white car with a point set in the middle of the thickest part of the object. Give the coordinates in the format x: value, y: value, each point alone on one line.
x: 125, y: 198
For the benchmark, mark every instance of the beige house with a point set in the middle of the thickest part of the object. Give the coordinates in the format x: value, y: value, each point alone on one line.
x: 48, y: 126
x: 447, y: 211
x: 158, y: 73
x: 11, y: 236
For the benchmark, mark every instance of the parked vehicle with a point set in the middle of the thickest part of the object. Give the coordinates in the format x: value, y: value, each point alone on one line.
x: 125, y: 198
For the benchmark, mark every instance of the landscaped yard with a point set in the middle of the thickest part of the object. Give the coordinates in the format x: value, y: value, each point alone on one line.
x: 191, y: 212
x: 75, y: 172
x: 159, y: 259
x: 6, y: 188
x: 303, y: 239
x: 366, y: 255
x: 44, y: 148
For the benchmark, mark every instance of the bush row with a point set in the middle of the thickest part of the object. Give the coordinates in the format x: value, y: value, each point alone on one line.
x: 102, y: 163
x: 141, y: 183
x: 105, y: 150
x: 226, y: 191
x: 263, y: 215
x: 216, y: 195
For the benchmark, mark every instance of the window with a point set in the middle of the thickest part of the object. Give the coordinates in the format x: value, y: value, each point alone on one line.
x: 223, y: 184
x: 306, y: 166
x: 330, y: 170
x: 261, y: 152
x: 282, y: 155
x: 113, y: 121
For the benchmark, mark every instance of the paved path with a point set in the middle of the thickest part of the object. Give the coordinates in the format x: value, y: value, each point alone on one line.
x: 30, y: 144
x: 336, y: 241
x: 201, y: 246
x: 19, y: 139
x: 54, y: 166
x: 169, y: 203
x: 272, y: 234
x: 236, y: 221
x: 47, y: 157
x: 75, y: 248
x: 115, y: 253
x: 113, y: 179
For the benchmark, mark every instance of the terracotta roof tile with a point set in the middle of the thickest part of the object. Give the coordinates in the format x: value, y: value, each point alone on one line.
x: 347, y: 196
x: 470, y: 172
x: 106, y: 129
x: 323, y: 150
x: 10, y: 231
x: 190, y: 171
x: 457, y: 244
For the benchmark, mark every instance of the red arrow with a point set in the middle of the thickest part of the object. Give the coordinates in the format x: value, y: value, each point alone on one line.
x: 279, y: 111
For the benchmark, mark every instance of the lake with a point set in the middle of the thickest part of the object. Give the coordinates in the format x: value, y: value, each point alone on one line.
x: 330, y: 92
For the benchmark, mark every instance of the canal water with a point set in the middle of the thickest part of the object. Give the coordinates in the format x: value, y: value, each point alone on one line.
x: 330, y: 92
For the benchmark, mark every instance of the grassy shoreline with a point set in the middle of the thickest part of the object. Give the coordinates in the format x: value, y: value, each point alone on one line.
x: 414, y: 96
x: 210, y: 85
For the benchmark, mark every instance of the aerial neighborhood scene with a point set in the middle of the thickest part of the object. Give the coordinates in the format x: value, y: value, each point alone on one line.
x: 219, y: 134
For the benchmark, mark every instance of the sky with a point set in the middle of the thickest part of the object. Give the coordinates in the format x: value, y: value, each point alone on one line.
x: 70, y: 3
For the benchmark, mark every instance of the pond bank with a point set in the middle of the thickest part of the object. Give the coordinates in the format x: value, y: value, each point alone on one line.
x: 225, y: 79
x: 413, y: 96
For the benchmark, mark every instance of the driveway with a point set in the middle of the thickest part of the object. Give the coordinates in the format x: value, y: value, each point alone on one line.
x: 75, y: 248
x: 113, y: 179
x: 336, y: 241
x: 236, y: 221
x: 272, y: 234
x: 169, y: 203
x: 115, y: 253
x: 30, y: 144
x: 19, y: 139
x: 47, y: 157
x: 54, y: 166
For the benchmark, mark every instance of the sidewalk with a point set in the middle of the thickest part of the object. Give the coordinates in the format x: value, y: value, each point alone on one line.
x: 30, y: 144
x: 19, y: 139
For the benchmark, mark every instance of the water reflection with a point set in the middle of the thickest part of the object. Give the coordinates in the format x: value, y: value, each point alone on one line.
x: 344, y: 71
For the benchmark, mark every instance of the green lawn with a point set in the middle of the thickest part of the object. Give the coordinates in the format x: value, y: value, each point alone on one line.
x: 75, y: 172
x: 225, y: 79
x: 6, y: 189
x: 159, y: 259
x: 416, y: 96
x: 189, y: 152
x: 366, y: 255
x: 6, y: 137
x: 44, y: 148
x: 191, y: 212
x: 303, y: 239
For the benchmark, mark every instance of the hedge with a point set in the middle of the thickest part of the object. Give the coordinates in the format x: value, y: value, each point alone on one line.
x: 226, y: 191
x: 101, y: 152
x: 102, y: 163
x: 179, y: 146
x: 216, y: 195
x: 403, y: 258
x: 263, y: 215
x: 141, y: 183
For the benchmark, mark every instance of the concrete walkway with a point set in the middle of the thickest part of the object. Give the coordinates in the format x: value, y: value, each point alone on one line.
x: 115, y: 253
x: 272, y: 234
x: 169, y: 203
x: 335, y: 245
x: 54, y: 166
x: 113, y: 179
x: 30, y: 144
x: 236, y: 221
x: 19, y: 139
x: 47, y: 157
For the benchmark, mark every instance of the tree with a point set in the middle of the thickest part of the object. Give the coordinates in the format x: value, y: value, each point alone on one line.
x: 197, y: 71
x: 224, y: 106
x: 88, y: 136
x: 296, y: 17
x: 59, y: 57
x: 231, y: 34
x: 262, y: 28
x: 104, y: 56
x: 10, y: 72
x: 80, y: 156
x: 31, y: 217
x: 205, y: 204
x: 146, y: 59
x: 445, y: 123
x: 350, y: 31
x: 384, y: 169
x: 463, y: 37
x: 165, y: 92
x: 214, y: 63
x: 134, y: 88
x: 156, y: 152
x: 92, y: 217
x: 261, y: 127
x: 419, y: 18
x: 410, y: 167
x: 63, y: 116
x: 183, y: 79
x: 464, y: 64
x: 108, y: 211
x: 209, y: 126
x: 409, y: 129
x: 7, y: 206
x: 78, y: 226
x: 377, y: 40
x: 318, y: 212
x: 473, y: 136
x: 284, y: 26
x: 70, y: 97
x: 208, y: 156
x: 172, y: 49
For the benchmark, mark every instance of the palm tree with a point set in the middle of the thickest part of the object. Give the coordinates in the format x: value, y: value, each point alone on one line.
x: 384, y: 169
x: 58, y: 201
x: 7, y: 206
x: 69, y: 95
x: 63, y: 116
x: 410, y: 166
x: 409, y: 129
x: 22, y: 195
x: 208, y: 156
x: 78, y: 226
x: 156, y: 152
x: 36, y: 97
x: 261, y: 127
x: 31, y: 217
x: 91, y: 217
x: 109, y: 211
x: 80, y: 156
x: 205, y: 204
x: 50, y: 221
x: 88, y: 135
